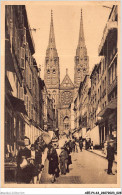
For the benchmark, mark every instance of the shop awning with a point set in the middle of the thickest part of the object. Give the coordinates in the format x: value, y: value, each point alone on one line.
x: 109, y: 108
x: 18, y: 104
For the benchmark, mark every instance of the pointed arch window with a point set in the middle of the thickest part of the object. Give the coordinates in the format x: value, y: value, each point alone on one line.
x: 78, y: 70
x: 54, y: 71
x: 48, y: 71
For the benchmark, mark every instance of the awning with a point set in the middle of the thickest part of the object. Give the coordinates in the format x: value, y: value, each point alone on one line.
x: 109, y: 108
x: 18, y: 104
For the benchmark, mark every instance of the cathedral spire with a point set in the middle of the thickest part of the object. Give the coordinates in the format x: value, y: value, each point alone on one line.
x: 51, y: 43
x: 51, y: 49
x: 81, y: 32
x: 81, y: 42
x: 81, y: 58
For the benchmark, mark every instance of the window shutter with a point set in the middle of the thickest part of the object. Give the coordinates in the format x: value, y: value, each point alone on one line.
x: 29, y: 109
x: 22, y: 58
x: 24, y: 37
x: 25, y: 100
x: 27, y: 52
x: 30, y: 80
x: 21, y: 93
x: 27, y: 103
x: 32, y: 110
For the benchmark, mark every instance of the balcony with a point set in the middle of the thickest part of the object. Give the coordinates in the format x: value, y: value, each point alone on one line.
x: 109, y: 28
x: 112, y: 85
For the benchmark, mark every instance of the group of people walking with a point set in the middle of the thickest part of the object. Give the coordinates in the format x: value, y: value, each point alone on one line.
x: 59, y: 162
x: 30, y: 161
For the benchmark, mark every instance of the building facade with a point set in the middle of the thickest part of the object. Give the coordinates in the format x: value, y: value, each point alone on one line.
x: 24, y: 109
x: 83, y: 105
x: 109, y: 49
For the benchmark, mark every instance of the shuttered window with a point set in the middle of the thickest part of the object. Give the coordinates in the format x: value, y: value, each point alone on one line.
x: 27, y: 103
x: 30, y: 81
x: 24, y: 36
x: 22, y: 57
x: 29, y: 109
x: 21, y: 93
x: 27, y: 51
x: 32, y: 110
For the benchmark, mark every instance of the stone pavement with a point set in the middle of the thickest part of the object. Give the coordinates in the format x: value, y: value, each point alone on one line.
x: 86, y: 168
x: 100, y: 153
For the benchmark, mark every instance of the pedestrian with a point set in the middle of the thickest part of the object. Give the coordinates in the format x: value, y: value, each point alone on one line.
x: 68, y: 161
x: 76, y: 146
x: 110, y: 156
x: 70, y: 145
x: 24, y: 173
x: 80, y: 145
x: 105, y: 147
x: 92, y: 147
x: 66, y: 148
x: 32, y: 164
x: 73, y: 145
x: 53, y: 163
x: 63, y: 160
x: 38, y: 162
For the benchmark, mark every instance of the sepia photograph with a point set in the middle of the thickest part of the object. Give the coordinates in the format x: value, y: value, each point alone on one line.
x: 61, y: 87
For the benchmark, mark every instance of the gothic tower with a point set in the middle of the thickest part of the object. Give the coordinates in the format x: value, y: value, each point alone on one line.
x: 51, y: 70
x: 81, y: 59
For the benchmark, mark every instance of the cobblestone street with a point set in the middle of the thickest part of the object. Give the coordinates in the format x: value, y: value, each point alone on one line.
x: 86, y: 168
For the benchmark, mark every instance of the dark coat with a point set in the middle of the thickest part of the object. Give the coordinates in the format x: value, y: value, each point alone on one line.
x: 64, y: 155
x: 53, y: 161
x: 110, y: 153
x: 80, y: 143
x: 23, y: 175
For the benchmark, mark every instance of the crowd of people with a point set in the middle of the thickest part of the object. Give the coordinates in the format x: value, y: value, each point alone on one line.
x: 30, y: 161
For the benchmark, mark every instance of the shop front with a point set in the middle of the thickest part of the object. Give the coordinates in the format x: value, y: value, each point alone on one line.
x: 108, y: 125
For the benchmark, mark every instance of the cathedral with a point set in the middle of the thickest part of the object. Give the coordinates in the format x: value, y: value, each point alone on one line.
x: 63, y: 92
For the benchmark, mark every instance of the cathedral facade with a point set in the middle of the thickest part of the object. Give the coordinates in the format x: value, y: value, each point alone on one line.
x: 63, y: 92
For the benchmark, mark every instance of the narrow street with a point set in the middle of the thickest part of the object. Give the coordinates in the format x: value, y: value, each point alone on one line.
x: 86, y: 168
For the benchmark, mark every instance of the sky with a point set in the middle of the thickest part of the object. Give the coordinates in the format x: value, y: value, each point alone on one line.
x: 66, y: 18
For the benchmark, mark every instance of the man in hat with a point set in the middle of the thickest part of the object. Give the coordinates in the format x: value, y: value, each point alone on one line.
x: 110, y: 156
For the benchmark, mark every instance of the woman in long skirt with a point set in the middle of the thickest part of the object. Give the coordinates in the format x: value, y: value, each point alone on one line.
x: 53, y: 163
